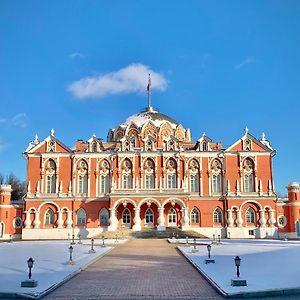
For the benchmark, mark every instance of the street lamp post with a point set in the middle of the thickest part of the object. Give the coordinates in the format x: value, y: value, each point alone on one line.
x: 103, y: 245
x: 237, y: 261
x: 194, y: 250
x: 73, y: 241
x: 209, y: 260
x: 238, y: 281
x: 219, y: 238
x: 116, y: 239
x: 209, y: 249
x: 71, y: 252
x: 92, y: 250
x: 214, y: 237
x: 29, y: 282
x: 187, y: 240
x: 79, y: 237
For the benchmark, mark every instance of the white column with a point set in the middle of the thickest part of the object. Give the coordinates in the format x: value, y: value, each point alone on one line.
x: 60, y: 221
x: 239, y: 219
x: 161, y: 219
x: 228, y: 186
x: 37, y: 222
x: 27, y: 222
x: 137, y: 220
x: 113, y: 221
x: 262, y: 219
x: 185, y: 218
x: 230, y: 220
x: 272, y: 220
x: 69, y: 220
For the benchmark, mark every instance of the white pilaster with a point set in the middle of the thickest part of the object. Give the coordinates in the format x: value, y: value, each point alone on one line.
x: 27, y: 222
x: 185, y: 218
x: 161, y: 219
x: 272, y: 220
x: 60, y: 220
x: 230, y: 220
x: 113, y: 221
x: 239, y: 219
x: 262, y: 219
x: 69, y: 220
x: 137, y: 220
x: 37, y: 222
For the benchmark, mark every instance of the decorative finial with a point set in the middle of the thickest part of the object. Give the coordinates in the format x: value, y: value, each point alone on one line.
x: 203, y: 134
x: 36, y: 139
x: 94, y: 135
x: 52, y: 132
x: 263, y: 136
x: 246, y: 130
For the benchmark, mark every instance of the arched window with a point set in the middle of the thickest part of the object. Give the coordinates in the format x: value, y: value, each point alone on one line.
x: 51, y: 177
x: 204, y: 146
x: 126, y: 217
x: 49, y: 217
x: 81, y: 216
x: 194, y: 178
x: 82, y: 177
x: 218, y: 216
x: 195, y: 216
x: 104, y: 216
x: 217, y: 183
x: 248, y: 176
x: 250, y: 215
x: 172, y: 217
x: 149, y: 217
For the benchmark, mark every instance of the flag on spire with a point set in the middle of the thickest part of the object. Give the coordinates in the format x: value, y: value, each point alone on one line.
x: 149, y: 84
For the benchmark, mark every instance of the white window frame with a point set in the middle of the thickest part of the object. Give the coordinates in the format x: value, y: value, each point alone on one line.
x: 81, y: 217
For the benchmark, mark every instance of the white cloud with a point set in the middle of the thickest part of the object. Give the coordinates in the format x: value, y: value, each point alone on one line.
x: 19, y: 120
x: 131, y: 79
x: 76, y: 55
x: 247, y: 61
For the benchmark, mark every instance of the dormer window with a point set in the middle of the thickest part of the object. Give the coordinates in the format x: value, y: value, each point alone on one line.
x: 204, y: 146
x: 247, y: 145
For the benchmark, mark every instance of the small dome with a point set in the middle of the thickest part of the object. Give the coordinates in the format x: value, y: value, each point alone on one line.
x: 149, y: 114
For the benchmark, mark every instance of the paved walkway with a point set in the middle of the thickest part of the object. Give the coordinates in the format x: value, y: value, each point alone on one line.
x: 139, y: 269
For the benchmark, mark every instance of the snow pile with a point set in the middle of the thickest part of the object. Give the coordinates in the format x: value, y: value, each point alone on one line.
x: 49, y: 267
x: 266, y: 265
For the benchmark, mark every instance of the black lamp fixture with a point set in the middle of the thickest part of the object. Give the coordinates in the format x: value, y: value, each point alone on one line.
x: 237, y: 261
x: 30, y: 262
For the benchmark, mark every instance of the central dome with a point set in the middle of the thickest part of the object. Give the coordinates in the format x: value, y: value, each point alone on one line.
x: 149, y: 114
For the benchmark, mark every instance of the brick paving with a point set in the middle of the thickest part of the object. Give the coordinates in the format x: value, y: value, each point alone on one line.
x: 139, y: 269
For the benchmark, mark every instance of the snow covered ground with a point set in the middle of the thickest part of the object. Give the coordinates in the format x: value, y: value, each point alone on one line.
x: 50, y: 265
x: 266, y: 264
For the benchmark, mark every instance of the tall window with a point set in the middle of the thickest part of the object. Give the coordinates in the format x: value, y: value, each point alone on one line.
x: 127, y: 181
x: 204, y: 146
x: 82, y: 177
x: 104, y: 216
x: 126, y: 217
x: 104, y: 183
x: 82, y: 184
x: 217, y: 186
x: 250, y: 215
x: 149, y: 174
x: 49, y: 217
x: 248, y: 176
x: 194, y: 183
x: 249, y: 186
x: 195, y: 216
x: 218, y: 216
x: 149, y: 181
x: 127, y: 175
x: 51, y: 177
x: 149, y: 219
x: 172, y: 217
x: 171, y: 181
x: 81, y: 216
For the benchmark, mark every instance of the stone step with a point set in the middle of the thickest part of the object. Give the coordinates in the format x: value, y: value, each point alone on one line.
x: 148, y: 233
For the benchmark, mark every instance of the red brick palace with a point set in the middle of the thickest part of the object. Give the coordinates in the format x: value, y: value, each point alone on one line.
x: 149, y: 173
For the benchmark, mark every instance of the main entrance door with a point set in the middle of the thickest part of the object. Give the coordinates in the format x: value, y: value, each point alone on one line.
x: 172, y: 217
x: 126, y: 218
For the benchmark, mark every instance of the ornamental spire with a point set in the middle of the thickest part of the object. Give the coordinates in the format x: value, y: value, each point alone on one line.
x: 149, y: 93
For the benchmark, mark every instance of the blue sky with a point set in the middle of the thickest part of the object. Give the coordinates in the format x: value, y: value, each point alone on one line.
x: 219, y: 66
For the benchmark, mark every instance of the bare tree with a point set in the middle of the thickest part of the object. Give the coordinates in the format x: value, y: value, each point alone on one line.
x: 18, y: 187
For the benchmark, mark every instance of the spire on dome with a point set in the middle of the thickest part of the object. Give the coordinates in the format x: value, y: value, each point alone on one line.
x: 52, y: 132
x: 246, y: 130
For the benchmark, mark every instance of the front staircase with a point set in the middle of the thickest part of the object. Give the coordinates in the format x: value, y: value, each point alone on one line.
x: 149, y: 233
